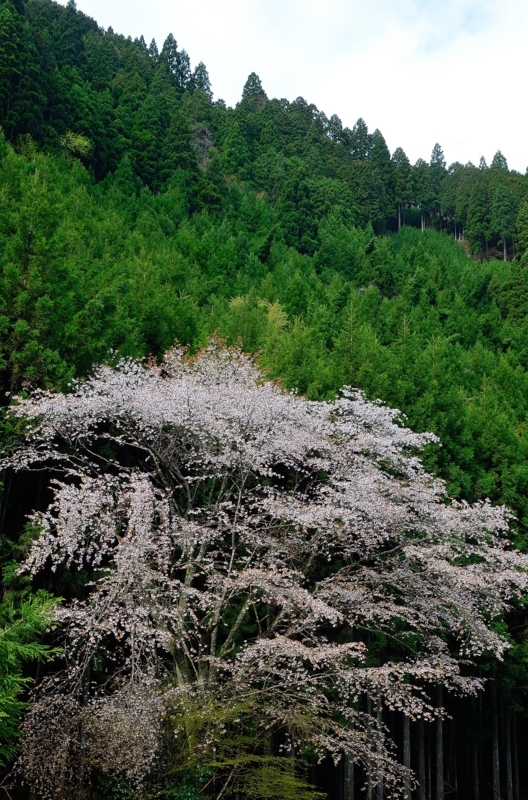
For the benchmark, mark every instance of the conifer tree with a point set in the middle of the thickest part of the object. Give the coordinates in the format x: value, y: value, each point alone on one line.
x: 499, y: 162
x: 402, y: 176
x: 504, y: 215
x: 381, y: 159
x: 335, y: 128
x: 522, y: 230
x: 360, y: 142
x: 437, y: 172
x: 422, y: 191
x: 253, y: 87
x: 297, y: 211
x: 200, y: 80
x: 235, y: 151
x: 478, y: 221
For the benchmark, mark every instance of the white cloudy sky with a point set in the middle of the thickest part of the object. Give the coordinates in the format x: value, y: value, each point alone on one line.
x: 422, y: 71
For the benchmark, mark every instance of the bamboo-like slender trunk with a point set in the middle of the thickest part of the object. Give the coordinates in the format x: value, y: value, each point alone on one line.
x: 369, y: 782
x: 439, y: 750
x: 475, y: 759
x: 429, y: 766
x: 407, y: 754
x: 349, y: 777
x: 515, y: 758
x: 495, y: 742
x: 505, y: 248
x: 380, y: 788
x: 508, y: 754
x: 475, y: 771
x: 422, y: 792
x: 453, y: 772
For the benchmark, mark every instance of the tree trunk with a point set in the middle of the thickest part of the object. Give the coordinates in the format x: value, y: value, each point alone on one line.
x: 422, y: 219
x: 407, y: 754
x: 429, y: 766
x: 515, y: 758
x: 380, y: 787
x: 495, y: 741
x: 453, y: 778
x: 508, y: 754
x: 422, y: 793
x: 475, y: 771
x: 349, y: 777
x: 439, y: 751
x: 399, y: 216
x: 369, y: 782
x: 505, y: 248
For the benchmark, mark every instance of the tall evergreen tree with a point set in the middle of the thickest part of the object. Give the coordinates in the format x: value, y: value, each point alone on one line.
x: 437, y: 172
x: 335, y: 128
x: 381, y: 159
x: 297, y: 215
x: 422, y: 191
x: 402, y: 176
x: 235, y: 152
x: 522, y: 230
x: 504, y: 216
x: 360, y: 142
x: 499, y: 161
x: 253, y: 95
x: 20, y: 95
x: 200, y: 80
x: 478, y: 222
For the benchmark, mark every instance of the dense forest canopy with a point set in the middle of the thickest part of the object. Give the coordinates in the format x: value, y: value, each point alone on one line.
x: 136, y: 211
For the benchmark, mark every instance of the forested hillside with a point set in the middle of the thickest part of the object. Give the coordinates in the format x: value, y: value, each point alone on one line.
x: 136, y: 211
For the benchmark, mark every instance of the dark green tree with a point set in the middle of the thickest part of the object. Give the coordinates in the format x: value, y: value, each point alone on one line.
x: 422, y: 190
x: 437, y: 172
x: 335, y: 128
x: 200, y: 80
x: 402, y: 176
x: 360, y: 142
x: 20, y: 94
x: 380, y: 157
x: 235, y: 151
x: 504, y: 216
x: 297, y: 213
x: 522, y: 230
x: 499, y: 162
x: 478, y: 221
x: 253, y: 87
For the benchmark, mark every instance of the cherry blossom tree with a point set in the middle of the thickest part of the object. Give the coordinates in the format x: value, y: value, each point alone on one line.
x: 244, y: 545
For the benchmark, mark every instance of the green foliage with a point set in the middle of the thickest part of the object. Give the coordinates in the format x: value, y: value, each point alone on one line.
x: 22, y: 621
x: 75, y: 145
x: 243, y: 753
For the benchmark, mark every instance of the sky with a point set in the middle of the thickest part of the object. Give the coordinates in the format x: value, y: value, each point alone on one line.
x: 422, y: 71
